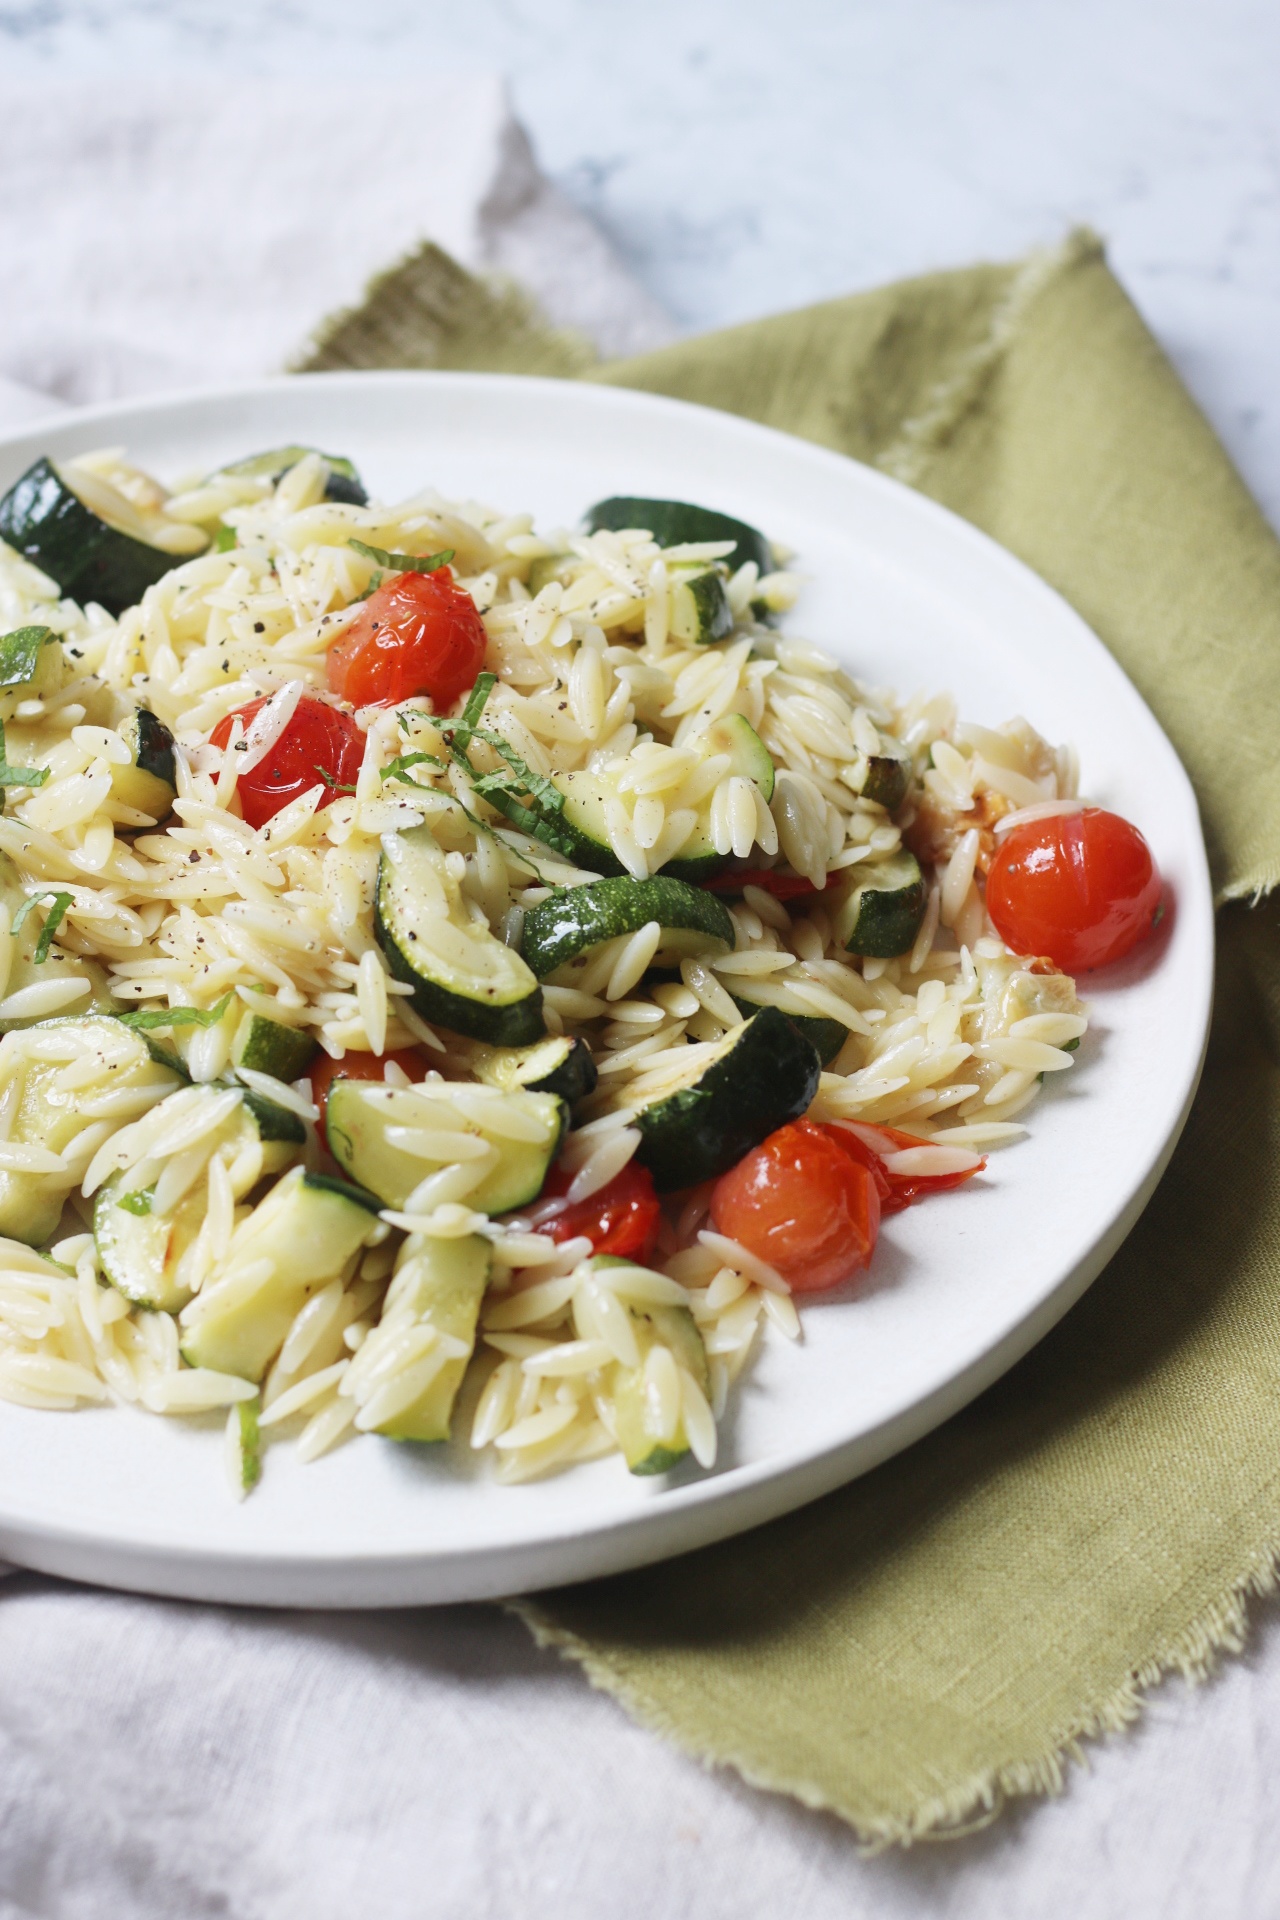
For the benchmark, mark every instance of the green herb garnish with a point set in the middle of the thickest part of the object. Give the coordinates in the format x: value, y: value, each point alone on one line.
x: 18, y: 776
x: 398, y: 769
x: 329, y: 780
x: 53, y: 920
x: 148, y: 1019
x: 403, y: 562
x: 138, y: 1203
x: 223, y: 542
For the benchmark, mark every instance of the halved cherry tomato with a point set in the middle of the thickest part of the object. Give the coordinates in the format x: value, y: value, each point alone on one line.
x: 621, y: 1219
x: 804, y: 1205
x: 783, y: 886
x: 1080, y: 887
x: 359, y: 1066
x: 319, y: 743
x: 869, y: 1145
x: 420, y: 633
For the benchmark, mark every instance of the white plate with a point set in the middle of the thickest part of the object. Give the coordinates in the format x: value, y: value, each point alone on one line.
x: 909, y: 596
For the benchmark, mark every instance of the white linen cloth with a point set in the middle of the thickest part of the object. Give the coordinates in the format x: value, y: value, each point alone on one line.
x: 160, y: 1760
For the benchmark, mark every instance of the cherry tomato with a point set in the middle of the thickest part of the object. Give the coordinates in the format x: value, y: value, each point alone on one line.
x: 420, y: 633
x: 320, y: 742
x: 869, y: 1145
x: 359, y: 1066
x: 1079, y: 887
x: 622, y: 1218
x: 804, y: 1205
x: 783, y: 886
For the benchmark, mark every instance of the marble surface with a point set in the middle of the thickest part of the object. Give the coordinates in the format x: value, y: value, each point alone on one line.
x: 742, y: 157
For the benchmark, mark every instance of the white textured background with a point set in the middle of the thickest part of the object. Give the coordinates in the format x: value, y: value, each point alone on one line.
x: 159, y: 1760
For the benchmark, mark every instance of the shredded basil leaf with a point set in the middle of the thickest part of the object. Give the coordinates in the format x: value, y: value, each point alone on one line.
x: 148, y: 1019
x: 138, y: 1203
x: 502, y: 790
x: 223, y: 542
x: 403, y: 562
x: 19, y: 776
x: 398, y: 769
x: 329, y: 780
x: 53, y: 920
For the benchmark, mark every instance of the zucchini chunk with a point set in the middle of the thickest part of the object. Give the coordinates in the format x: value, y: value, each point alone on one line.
x: 576, y: 919
x: 462, y: 977
x: 734, y: 734
x: 32, y: 667
x: 651, y: 1443
x: 881, y: 913
x: 825, y: 1036
x: 92, y: 542
x: 149, y: 783
x: 560, y: 1064
x: 107, y: 1059
x: 294, y: 1242
x: 888, y: 777
x: 544, y: 569
x: 343, y: 482
x: 674, y: 523
x: 700, y: 611
x: 759, y: 1076
x: 381, y: 1136
x: 268, y: 1046
x: 24, y: 971
x: 440, y: 1287
x: 142, y: 1252
x: 581, y: 832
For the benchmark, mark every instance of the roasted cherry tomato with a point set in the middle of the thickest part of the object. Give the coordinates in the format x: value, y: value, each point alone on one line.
x: 1079, y: 887
x: 359, y: 1066
x: 622, y: 1218
x: 803, y: 1204
x: 420, y: 633
x: 873, y: 1146
x: 319, y: 743
x: 783, y: 886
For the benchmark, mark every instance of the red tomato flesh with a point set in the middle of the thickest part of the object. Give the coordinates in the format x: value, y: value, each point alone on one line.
x: 359, y: 1066
x: 621, y: 1219
x: 418, y: 634
x: 1079, y: 887
x: 319, y: 743
x: 803, y: 1204
x: 783, y: 886
x: 869, y: 1145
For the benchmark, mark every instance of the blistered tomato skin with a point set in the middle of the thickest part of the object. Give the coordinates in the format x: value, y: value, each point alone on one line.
x: 622, y: 1218
x: 418, y: 634
x: 1081, y: 888
x: 320, y: 744
x: 797, y: 1201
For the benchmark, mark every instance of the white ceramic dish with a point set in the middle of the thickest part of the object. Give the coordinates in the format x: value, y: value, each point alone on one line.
x: 958, y: 1291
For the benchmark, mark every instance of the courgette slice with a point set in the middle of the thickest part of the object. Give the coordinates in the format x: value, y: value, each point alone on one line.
x: 888, y: 777
x: 700, y: 613
x: 366, y: 1122
x: 881, y: 912
x: 268, y: 1046
x: 547, y: 567
x: 674, y: 523
x: 651, y: 1442
x: 107, y: 1059
x: 581, y: 832
x: 92, y: 552
x: 759, y: 1076
x: 32, y: 667
x: 294, y: 1242
x: 560, y: 1064
x: 826, y: 1037
x: 462, y: 977
x: 576, y: 919
x: 734, y: 734
x: 140, y: 1251
x: 441, y: 1287
x: 343, y: 483
x: 149, y: 782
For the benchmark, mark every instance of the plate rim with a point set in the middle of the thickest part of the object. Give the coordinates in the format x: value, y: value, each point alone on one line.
x: 698, y: 1512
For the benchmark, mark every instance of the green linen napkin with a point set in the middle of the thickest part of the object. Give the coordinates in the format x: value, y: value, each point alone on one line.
x: 939, y: 1635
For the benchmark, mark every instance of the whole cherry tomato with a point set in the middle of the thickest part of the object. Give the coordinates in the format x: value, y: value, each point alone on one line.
x: 359, y: 1066
x: 1079, y: 887
x: 420, y: 633
x: 803, y: 1204
x: 621, y: 1219
x: 319, y: 743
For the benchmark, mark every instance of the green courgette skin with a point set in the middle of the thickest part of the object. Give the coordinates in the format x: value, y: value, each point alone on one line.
x: 768, y: 1077
x: 152, y: 746
x: 343, y: 482
x: 826, y: 1037
x: 888, y: 778
x: 514, y: 1025
x: 575, y: 919
x: 558, y: 831
x: 42, y: 519
x: 574, y: 1079
x: 882, y: 921
x: 563, y: 1065
x: 675, y: 523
